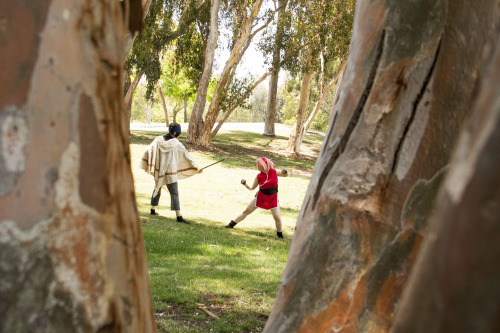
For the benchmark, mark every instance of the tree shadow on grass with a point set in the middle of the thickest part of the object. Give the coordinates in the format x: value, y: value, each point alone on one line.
x: 241, y: 149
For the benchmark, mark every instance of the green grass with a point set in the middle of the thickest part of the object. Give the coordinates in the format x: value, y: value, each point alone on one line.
x: 233, y: 273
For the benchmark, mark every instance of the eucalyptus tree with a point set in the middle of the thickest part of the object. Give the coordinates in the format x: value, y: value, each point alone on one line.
x: 164, y: 23
x: 395, y: 234
x: 271, y: 44
x: 72, y: 256
x: 316, y: 43
x: 244, y: 20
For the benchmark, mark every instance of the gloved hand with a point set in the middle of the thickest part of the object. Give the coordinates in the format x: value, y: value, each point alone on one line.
x: 284, y: 172
x: 243, y: 181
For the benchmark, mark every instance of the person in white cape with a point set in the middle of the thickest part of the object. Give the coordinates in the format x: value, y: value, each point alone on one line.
x: 167, y: 160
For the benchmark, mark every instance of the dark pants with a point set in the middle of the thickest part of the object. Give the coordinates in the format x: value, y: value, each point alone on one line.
x: 174, y: 197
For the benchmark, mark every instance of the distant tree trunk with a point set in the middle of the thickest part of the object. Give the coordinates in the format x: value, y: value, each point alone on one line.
x: 175, y: 111
x: 235, y: 106
x: 196, y: 122
x: 149, y: 111
x: 295, y: 141
x: 127, y: 102
x: 273, y: 81
x: 269, y: 119
x: 128, y: 107
x: 185, y: 110
x: 205, y: 135
x: 167, y: 121
x: 411, y: 77
x: 72, y: 256
x: 324, y: 94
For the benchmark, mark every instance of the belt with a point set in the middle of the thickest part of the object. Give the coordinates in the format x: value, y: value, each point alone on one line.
x: 270, y: 191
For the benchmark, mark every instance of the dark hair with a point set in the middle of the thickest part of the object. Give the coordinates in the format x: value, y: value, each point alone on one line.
x: 174, y: 128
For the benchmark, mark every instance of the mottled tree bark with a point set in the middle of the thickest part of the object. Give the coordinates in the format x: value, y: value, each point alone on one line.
x: 72, y: 255
x: 409, y: 84
x: 455, y: 286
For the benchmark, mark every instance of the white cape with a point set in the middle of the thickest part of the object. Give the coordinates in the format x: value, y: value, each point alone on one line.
x: 167, y: 161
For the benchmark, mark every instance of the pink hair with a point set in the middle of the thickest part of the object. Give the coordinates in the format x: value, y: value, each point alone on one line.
x: 264, y: 164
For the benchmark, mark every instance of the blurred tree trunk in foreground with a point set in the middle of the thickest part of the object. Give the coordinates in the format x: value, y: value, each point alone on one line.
x: 412, y: 76
x: 455, y: 286
x: 72, y: 256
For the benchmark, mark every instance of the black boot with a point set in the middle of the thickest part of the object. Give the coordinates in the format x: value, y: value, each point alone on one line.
x: 230, y: 225
x: 153, y: 212
x: 280, y: 234
x: 181, y: 220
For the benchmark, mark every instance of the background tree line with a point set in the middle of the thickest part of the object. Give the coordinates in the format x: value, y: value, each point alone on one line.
x: 175, y: 53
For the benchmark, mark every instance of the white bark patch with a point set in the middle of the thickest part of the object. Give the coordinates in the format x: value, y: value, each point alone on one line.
x: 79, y: 233
x: 14, y: 143
x: 412, y: 143
x: 376, y: 113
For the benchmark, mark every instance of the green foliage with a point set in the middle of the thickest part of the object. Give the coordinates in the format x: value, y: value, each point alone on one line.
x: 232, y: 96
x: 175, y: 83
x: 291, y: 95
x: 141, y: 106
x: 161, y: 28
x: 188, y: 54
x: 323, y: 27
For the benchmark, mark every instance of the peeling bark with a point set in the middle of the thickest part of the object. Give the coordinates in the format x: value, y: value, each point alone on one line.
x: 409, y: 85
x: 67, y: 191
x: 454, y: 287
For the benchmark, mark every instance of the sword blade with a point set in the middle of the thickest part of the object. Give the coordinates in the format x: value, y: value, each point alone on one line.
x: 212, y: 164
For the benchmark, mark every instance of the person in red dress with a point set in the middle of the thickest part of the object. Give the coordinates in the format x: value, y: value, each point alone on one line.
x: 267, y: 196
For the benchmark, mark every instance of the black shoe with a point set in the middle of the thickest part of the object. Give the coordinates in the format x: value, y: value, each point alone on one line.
x: 181, y: 220
x: 230, y: 224
x: 280, y: 234
x: 153, y: 212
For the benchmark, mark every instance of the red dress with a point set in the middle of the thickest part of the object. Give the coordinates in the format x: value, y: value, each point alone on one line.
x: 267, y: 183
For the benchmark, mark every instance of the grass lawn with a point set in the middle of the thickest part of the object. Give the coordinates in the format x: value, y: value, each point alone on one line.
x: 205, y: 278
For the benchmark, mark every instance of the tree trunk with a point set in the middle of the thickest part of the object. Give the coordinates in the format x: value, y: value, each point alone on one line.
x: 410, y: 80
x: 273, y: 82
x: 196, y: 121
x: 127, y: 101
x: 185, y: 110
x: 335, y: 82
x: 167, y: 121
x: 455, y: 283
x: 72, y: 256
x: 128, y: 107
x: 319, y: 103
x: 175, y: 111
x: 269, y: 119
x: 149, y: 111
x: 204, y: 138
x: 294, y: 140
x: 235, y: 106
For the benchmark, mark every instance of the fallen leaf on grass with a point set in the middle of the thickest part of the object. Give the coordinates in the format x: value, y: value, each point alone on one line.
x: 211, y: 314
